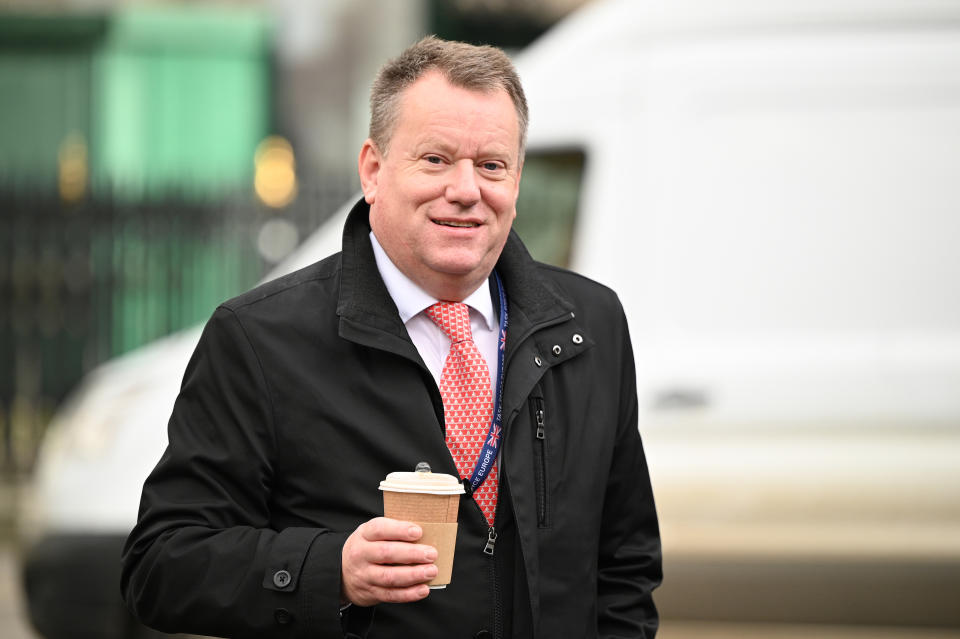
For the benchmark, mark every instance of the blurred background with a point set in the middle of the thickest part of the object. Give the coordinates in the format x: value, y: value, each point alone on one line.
x: 159, y: 157
x: 155, y: 157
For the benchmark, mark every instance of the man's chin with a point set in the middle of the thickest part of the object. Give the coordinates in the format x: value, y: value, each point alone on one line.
x: 454, y: 280
x: 454, y: 266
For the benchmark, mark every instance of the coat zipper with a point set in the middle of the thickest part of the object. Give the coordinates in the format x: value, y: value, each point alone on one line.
x: 488, y: 549
x: 491, y: 541
x: 540, y: 460
x: 490, y: 546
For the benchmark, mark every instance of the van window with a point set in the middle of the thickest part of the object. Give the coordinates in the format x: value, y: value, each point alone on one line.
x: 548, y: 203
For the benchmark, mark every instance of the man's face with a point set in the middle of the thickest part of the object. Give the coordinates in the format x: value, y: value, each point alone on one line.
x: 443, y: 197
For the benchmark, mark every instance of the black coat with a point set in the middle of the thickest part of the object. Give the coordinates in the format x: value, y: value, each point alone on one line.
x: 305, y: 392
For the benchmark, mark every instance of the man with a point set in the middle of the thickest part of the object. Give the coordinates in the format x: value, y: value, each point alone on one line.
x: 261, y: 518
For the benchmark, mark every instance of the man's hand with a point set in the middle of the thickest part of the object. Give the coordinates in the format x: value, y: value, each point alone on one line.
x: 382, y: 563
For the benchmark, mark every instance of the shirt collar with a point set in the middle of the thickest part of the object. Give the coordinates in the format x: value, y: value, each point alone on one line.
x: 411, y: 299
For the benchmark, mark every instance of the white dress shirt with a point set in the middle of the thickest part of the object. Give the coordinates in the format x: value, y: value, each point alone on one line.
x: 432, y: 343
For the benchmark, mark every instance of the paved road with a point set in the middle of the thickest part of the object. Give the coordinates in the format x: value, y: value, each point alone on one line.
x: 13, y: 623
x: 713, y: 630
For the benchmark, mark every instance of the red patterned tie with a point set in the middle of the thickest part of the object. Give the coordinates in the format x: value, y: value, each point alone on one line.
x: 467, y: 399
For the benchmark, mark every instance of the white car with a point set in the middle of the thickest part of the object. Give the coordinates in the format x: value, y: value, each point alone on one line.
x: 772, y: 189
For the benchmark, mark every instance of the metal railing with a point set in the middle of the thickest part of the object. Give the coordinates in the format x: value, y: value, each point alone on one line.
x: 80, y: 283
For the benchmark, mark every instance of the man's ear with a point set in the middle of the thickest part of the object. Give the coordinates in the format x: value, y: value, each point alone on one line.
x: 519, y: 175
x: 369, y: 164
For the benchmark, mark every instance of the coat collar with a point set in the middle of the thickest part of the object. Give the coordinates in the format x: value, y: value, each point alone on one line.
x: 365, y: 304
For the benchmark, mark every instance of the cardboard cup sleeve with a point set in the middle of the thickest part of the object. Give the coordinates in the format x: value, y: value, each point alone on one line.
x: 437, y: 516
x: 421, y: 507
x: 443, y: 537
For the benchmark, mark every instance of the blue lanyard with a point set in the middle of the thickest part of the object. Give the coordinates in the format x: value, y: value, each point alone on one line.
x: 488, y: 454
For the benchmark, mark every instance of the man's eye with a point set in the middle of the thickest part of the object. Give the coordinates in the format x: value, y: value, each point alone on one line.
x: 491, y: 166
x: 433, y: 159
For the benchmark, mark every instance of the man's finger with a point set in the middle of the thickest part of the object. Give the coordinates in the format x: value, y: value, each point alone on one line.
x: 385, y: 529
x: 385, y: 571
x: 397, y: 552
x: 400, y: 595
x: 392, y: 577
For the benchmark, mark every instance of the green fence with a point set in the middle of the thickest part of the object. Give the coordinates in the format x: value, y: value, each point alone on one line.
x: 139, y: 100
x: 80, y: 283
x: 127, y: 148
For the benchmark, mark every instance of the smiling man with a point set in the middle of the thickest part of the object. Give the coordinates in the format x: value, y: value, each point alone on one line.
x: 262, y: 517
x: 443, y: 187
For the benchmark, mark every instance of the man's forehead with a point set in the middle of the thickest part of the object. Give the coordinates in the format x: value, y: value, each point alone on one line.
x: 415, y: 101
x: 437, y: 81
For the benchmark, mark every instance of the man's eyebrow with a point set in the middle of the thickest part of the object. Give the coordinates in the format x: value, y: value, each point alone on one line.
x: 495, y: 150
x: 432, y: 140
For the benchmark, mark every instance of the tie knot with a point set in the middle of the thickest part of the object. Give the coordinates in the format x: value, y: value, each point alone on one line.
x: 453, y: 318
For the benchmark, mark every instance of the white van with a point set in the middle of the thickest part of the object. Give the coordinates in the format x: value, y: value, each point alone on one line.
x: 773, y: 188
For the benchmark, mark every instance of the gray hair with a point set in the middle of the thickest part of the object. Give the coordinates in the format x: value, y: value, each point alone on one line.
x: 477, y: 68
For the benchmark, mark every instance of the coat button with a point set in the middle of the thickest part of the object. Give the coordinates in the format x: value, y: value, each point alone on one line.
x: 577, y: 338
x: 556, y: 350
x: 483, y: 634
x: 281, y: 579
x: 282, y: 616
x: 538, y: 361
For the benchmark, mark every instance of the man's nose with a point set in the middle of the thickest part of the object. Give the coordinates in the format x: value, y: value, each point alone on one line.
x: 463, y: 187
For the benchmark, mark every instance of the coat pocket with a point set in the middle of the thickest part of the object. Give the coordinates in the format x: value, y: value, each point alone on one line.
x: 540, y: 464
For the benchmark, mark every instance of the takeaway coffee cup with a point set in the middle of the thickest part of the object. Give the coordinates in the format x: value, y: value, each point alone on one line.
x: 431, y: 500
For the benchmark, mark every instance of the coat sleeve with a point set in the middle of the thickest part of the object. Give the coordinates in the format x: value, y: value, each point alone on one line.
x: 202, y: 557
x: 630, y: 562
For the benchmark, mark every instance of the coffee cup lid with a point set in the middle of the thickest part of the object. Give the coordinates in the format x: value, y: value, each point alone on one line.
x: 422, y: 482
